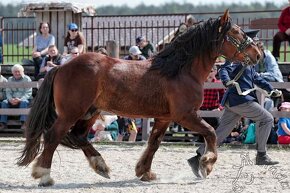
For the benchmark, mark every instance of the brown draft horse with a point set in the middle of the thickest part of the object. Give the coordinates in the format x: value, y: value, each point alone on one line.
x: 169, y: 88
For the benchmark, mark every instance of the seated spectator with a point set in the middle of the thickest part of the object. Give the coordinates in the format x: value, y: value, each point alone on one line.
x: 2, y: 90
x: 237, y: 135
x: 212, y: 98
x: 183, y: 27
x: 106, y: 124
x: 148, y: 49
x: 102, y: 51
x: 284, y: 125
x: 126, y: 126
x: 16, y: 97
x: 50, y: 61
x: 272, y: 72
x: 284, y: 31
x: 134, y: 54
x: 73, y: 39
x: 74, y: 53
x: 42, y: 42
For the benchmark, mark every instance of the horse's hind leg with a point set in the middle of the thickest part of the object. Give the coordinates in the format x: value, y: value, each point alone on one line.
x: 143, y: 167
x: 207, y: 160
x: 52, y: 138
x: 79, y: 134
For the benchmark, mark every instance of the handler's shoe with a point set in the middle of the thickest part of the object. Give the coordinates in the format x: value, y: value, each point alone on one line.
x: 194, y: 164
x: 265, y: 160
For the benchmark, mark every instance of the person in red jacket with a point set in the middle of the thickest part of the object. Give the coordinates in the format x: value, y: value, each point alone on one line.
x: 284, y: 31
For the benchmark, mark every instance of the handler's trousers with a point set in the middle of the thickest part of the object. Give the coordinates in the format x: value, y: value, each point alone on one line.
x: 252, y: 110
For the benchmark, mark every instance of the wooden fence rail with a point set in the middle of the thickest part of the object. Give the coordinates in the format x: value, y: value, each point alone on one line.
x: 146, y: 127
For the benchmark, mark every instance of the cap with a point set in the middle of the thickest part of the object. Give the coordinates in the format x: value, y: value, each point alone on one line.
x: 252, y: 33
x: 285, y: 105
x: 134, y: 50
x: 140, y: 39
x: 72, y: 26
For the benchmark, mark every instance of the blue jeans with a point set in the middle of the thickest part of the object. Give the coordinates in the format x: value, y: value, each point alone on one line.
x: 6, y: 104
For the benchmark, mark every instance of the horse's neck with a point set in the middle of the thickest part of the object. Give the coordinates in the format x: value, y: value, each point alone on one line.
x: 201, y: 68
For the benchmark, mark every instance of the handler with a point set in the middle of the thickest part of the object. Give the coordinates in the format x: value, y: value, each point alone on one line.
x: 238, y: 105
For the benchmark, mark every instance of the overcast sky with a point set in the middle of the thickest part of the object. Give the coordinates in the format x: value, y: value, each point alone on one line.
x: 133, y: 3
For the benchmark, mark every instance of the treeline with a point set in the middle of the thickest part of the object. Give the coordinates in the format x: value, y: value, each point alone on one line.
x: 12, y: 10
x: 184, y: 8
x: 9, y: 10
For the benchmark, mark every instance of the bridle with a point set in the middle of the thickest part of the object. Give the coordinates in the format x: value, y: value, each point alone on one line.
x: 239, y: 45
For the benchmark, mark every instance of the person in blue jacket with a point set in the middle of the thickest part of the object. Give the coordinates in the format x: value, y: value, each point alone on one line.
x: 237, y: 105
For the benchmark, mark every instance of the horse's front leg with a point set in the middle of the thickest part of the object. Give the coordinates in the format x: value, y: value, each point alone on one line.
x: 143, y: 167
x: 205, y: 163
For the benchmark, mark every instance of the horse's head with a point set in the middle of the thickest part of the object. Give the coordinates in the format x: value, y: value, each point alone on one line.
x: 236, y: 45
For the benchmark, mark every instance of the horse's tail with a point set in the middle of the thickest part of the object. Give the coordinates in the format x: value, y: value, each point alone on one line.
x: 41, y: 117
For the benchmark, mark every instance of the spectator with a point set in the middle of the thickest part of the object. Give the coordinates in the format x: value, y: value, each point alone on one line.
x: 52, y: 60
x: 2, y: 90
x: 16, y: 97
x: 74, y: 53
x: 73, y: 39
x: 126, y: 126
x: 147, y: 48
x: 272, y: 71
x: 284, y: 31
x: 42, y: 42
x: 183, y: 27
x: 106, y: 124
x: 284, y: 125
x: 212, y: 98
x: 102, y: 51
x: 134, y: 54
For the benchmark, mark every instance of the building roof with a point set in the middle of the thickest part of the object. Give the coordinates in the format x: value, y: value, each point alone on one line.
x: 29, y: 9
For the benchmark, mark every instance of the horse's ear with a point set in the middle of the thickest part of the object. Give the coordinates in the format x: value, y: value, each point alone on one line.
x: 225, y: 18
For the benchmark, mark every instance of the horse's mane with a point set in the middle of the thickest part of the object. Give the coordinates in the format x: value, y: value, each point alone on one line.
x: 201, y: 40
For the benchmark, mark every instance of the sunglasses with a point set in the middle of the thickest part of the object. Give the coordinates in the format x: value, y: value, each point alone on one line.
x: 73, y: 30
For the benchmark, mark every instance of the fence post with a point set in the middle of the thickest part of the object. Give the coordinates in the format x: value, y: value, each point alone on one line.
x: 112, y: 48
x: 145, y: 129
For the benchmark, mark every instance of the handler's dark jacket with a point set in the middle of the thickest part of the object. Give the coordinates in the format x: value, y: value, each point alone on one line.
x: 247, y: 80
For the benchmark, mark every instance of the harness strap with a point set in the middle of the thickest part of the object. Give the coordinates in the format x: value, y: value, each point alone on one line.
x: 237, y: 76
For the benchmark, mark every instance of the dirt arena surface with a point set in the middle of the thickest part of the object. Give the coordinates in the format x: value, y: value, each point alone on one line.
x: 234, y: 171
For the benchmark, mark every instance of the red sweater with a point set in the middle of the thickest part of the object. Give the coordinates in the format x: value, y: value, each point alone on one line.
x: 284, y: 20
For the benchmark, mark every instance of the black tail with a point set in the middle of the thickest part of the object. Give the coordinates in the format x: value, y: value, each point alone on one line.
x: 41, y: 117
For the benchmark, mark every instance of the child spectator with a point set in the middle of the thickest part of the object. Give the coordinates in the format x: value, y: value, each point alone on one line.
x: 284, y: 125
x: 74, y: 53
x: 134, y: 54
x: 50, y: 61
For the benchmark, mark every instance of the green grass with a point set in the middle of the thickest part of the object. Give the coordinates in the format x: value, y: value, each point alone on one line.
x: 13, y: 54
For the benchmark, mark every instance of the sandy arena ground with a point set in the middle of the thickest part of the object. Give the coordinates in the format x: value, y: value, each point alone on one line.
x: 233, y: 172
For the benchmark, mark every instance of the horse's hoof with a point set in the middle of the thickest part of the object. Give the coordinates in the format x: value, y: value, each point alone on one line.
x: 148, y: 176
x: 104, y: 174
x: 46, y: 181
x: 194, y: 164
